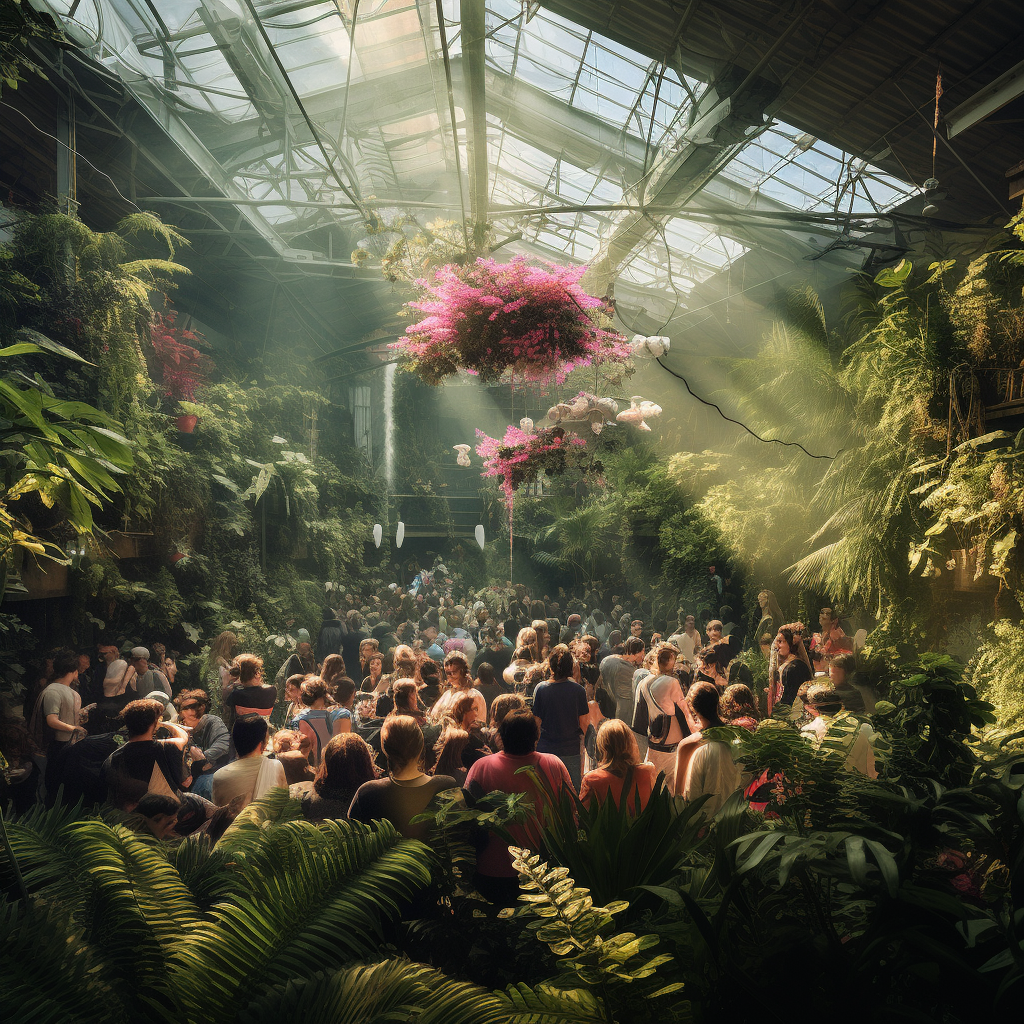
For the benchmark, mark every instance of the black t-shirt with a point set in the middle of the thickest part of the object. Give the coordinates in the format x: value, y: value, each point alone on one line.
x: 498, y: 660
x: 129, y: 771
x: 793, y: 676
x: 79, y: 769
x: 350, y: 651
x: 248, y: 699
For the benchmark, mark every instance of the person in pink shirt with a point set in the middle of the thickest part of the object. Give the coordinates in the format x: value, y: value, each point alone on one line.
x: 496, y: 879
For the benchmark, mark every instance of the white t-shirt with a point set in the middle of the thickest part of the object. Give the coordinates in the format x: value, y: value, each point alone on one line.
x: 712, y: 770
x: 685, y: 644
x: 239, y: 779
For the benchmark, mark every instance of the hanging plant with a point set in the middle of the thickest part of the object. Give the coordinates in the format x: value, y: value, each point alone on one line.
x: 490, y: 317
x: 519, y: 458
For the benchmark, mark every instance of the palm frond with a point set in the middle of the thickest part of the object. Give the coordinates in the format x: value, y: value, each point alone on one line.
x: 49, y: 974
x: 250, y: 828
x: 315, y: 895
x: 375, y: 994
x: 544, y: 1004
x: 140, y: 907
x: 209, y: 874
x: 39, y: 842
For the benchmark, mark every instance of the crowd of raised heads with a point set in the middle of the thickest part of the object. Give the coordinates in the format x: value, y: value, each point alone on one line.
x: 407, y: 695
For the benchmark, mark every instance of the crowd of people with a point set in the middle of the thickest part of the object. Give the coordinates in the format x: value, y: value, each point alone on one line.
x: 411, y: 695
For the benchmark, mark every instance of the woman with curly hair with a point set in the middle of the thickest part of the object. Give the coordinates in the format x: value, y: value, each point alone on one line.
x: 738, y: 707
x: 527, y: 638
x: 332, y: 671
x: 460, y: 683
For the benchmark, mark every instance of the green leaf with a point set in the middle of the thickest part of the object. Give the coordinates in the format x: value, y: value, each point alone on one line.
x: 893, y: 277
x: 35, y: 338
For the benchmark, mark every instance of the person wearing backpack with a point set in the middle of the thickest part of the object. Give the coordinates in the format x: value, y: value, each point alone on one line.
x: 316, y: 720
x: 662, y: 714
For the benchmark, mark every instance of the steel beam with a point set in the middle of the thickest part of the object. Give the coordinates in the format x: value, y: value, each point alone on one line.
x: 1007, y: 87
x: 474, y: 30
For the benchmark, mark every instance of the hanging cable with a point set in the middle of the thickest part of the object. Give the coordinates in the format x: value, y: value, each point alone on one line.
x: 763, y: 440
x: 73, y: 151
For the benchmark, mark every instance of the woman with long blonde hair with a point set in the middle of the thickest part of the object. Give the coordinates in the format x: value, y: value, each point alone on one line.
x: 527, y: 638
x: 617, y: 755
x: 540, y: 627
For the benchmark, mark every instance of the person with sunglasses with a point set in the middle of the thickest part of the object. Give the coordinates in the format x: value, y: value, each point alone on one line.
x: 210, y: 744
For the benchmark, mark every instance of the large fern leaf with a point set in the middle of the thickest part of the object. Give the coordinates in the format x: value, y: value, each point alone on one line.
x: 317, y: 895
x: 395, y: 990
x: 49, y: 974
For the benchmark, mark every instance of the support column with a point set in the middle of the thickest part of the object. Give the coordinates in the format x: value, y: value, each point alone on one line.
x: 67, y: 177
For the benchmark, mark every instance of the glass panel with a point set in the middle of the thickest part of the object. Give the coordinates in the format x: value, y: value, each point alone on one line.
x: 205, y: 71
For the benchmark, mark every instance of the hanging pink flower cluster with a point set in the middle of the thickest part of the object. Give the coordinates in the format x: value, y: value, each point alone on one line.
x: 490, y: 317
x: 518, y: 458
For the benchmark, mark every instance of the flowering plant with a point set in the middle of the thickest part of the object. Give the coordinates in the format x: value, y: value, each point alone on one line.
x: 183, y: 368
x: 519, y: 458
x: 490, y: 317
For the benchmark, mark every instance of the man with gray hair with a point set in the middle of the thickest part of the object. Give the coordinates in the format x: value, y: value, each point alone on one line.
x: 146, y: 681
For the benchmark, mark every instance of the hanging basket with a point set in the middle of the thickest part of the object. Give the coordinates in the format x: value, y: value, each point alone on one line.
x: 489, y: 318
x: 519, y: 458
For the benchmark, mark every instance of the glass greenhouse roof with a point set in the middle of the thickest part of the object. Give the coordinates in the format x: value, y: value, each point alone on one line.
x: 308, y: 124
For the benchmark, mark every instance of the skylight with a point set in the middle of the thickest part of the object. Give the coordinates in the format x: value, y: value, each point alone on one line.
x: 272, y: 100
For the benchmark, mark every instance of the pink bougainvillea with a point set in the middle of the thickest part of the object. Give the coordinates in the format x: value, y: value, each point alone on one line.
x: 518, y: 458
x: 491, y: 317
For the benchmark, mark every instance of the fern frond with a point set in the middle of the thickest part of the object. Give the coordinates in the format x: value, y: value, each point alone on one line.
x: 364, y: 993
x: 315, y: 895
x: 49, y: 974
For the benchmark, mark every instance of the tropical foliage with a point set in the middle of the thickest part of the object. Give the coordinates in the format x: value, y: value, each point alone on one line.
x: 900, y: 892
x: 249, y: 515
x: 55, y: 454
x: 276, y: 921
x: 890, y: 491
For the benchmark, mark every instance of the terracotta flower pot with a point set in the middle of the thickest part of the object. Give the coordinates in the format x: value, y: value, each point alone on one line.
x: 177, y: 557
x: 186, y: 424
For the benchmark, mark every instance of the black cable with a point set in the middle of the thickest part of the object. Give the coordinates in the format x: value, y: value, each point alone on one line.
x: 763, y: 440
